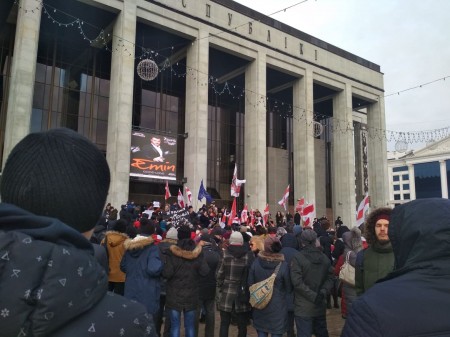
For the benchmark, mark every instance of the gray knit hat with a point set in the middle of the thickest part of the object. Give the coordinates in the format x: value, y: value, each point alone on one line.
x: 172, y: 233
x: 308, y: 237
x: 60, y: 174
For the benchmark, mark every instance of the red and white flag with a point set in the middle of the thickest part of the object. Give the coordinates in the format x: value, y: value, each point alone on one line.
x: 252, y: 218
x: 362, y: 209
x: 180, y: 199
x: 232, y: 214
x: 168, y: 195
x: 308, y: 214
x: 266, y: 214
x: 284, y: 201
x: 300, y: 205
x: 188, y: 195
x: 236, y: 183
x: 244, y: 214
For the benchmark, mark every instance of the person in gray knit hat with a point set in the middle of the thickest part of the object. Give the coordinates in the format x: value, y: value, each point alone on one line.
x: 53, y: 190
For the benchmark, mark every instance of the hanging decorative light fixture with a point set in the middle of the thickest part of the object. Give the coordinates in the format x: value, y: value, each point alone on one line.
x: 318, y: 129
x: 147, y: 70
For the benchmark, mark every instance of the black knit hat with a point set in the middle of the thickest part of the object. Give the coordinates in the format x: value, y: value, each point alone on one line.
x: 57, y: 173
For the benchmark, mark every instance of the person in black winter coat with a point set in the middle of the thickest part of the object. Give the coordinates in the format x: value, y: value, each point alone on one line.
x: 414, y: 299
x: 289, y: 250
x: 53, y: 190
x: 184, y: 266
x: 207, y: 284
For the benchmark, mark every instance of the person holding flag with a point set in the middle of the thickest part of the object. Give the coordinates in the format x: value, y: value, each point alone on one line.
x: 167, y: 195
x: 188, y: 195
x: 180, y: 199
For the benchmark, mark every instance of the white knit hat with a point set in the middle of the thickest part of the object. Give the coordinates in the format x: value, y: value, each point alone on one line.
x: 236, y: 238
x: 172, y: 233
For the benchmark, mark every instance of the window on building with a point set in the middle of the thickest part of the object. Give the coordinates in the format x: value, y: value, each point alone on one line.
x: 405, y: 186
x: 396, y: 196
x: 405, y: 176
x: 406, y: 196
x: 427, y: 178
x: 400, y: 169
x: 396, y: 178
x: 396, y: 187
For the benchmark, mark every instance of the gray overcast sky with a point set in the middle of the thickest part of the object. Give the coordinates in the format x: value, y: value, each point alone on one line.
x: 409, y: 39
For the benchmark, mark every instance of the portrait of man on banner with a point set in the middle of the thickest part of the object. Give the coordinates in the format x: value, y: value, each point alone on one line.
x: 153, y: 156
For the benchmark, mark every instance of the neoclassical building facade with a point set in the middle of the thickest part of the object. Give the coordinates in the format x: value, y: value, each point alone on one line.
x: 218, y: 83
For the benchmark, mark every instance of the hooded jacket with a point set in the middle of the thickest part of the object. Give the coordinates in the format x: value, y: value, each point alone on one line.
x: 184, y: 267
x: 416, y: 293
x: 113, y: 242
x: 273, y: 318
x: 142, y: 266
x: 312, y: 279
x: 52, y: 285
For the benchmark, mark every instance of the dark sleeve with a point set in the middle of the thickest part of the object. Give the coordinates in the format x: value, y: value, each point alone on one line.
x: 362, y: 321
x: 168, y: 269
x: 204, y: 268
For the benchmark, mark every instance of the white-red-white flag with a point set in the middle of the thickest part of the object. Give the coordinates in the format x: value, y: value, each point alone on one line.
x: 232, y: 214
x: 308, y: 214
x: 284, y: 200
x: 244, y: 214
x: 300, y: 205
x: 266, y: 214
x: 252, y: 218
x: 236, y: 183
x: 362, y: 209
x: 188, y: 195
x: 168, y: 195
x: 180, y: 199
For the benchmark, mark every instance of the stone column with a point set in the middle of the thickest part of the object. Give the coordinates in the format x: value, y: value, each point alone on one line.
x: 412, y: 182
x: 23, y: 73
x: 196, y: 145
x: 343, y: 158
x: 303, y: 139
x: 255, y: 133
x: 121, y: 103
x: 444, y: 187
x: 377, y: 155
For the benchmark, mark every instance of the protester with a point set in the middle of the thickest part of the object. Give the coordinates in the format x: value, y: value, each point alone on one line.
x: 376, y: 261
x: 53, y: 190
x: 113, y: 241
x: 353, y: 245
x: 183, y: 268
x: 231, y: 277
x: 312, y: 279
x: 142, y: 266
x: 273, y: 318
x: 208, y: 284
x: 413, y: 299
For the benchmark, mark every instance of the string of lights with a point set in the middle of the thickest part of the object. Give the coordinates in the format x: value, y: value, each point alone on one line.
x: 279, y: 108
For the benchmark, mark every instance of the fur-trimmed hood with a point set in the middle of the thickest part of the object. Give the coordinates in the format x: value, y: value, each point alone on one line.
x: 271, y: 257
x: 139, y: 242
x: 186, y: 254
x: 115, y: 238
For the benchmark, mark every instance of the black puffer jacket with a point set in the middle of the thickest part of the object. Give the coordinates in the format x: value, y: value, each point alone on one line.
x: 52, y: 285
x: 413, y: 300
x: 184, y: 267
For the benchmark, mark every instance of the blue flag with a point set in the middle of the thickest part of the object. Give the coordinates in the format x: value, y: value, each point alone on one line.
x: 203, y: 194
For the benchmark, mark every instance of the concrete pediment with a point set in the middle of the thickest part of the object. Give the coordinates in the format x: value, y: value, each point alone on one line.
x: 440, y: 147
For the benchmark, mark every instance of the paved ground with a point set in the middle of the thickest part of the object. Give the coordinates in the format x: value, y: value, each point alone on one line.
x: 334, y: 320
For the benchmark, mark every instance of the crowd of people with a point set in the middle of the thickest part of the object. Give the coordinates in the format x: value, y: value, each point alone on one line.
x: 139, y: 272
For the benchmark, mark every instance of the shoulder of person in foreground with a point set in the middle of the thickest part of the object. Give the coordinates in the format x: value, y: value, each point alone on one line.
x: 362, y: 321
x: 113, y: 315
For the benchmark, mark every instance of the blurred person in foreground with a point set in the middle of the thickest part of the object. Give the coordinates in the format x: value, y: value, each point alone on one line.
x: 53, y: 190
x: 414, y: 299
